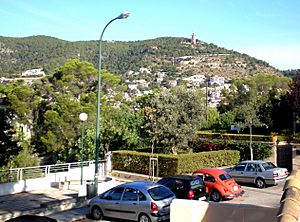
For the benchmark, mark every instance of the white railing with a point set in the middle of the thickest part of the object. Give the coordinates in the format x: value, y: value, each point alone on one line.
x: 17, y: 174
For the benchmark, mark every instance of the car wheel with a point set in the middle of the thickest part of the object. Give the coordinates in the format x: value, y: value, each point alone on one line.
x: 97, y: 213
x: 144, y: 218
x: 260, y: 183
x: 215, y: 196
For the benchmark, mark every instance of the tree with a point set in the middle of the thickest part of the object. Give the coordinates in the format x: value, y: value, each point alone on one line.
x: 17, y: 119
x: 247, y: 114
x: 174, y: 116
x: 294, y: 94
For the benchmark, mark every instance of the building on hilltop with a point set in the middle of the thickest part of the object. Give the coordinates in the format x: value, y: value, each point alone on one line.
x: 193, y: 40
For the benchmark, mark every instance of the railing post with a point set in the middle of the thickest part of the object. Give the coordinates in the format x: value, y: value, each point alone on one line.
x: 21, y: 173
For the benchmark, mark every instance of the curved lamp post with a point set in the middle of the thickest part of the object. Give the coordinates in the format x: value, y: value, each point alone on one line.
x: 124, y: 15
x: 83, y: 117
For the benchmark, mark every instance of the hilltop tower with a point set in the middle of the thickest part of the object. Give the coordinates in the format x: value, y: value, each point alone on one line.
x: 193, y: 40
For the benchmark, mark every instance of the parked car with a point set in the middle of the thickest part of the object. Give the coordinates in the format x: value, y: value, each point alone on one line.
x: 185, y: 186
x: 258, y: 172
x: 138, y: 201
x: 220, y: 185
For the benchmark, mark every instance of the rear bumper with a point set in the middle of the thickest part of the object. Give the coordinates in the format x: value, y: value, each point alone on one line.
x: 275, y: 181
x: 231, y: 196
x: 159, y: 218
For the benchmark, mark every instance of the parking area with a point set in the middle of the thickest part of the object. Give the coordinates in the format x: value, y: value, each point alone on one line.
x: 269, y: 196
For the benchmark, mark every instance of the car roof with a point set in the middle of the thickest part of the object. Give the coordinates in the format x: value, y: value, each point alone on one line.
x: 180, y: 177
x: 253, y: 161
x: 140, y: 184
x: 211, y: 171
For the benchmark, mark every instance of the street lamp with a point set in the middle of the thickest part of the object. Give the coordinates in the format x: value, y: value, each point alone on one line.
x: 83, y: 117
x: 124, y: 15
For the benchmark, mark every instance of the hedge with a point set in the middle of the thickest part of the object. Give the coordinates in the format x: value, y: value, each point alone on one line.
x: 137, y: 162
x: 228, y: 136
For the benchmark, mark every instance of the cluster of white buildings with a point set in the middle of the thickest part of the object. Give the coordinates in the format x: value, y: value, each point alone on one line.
x: 212, y: 86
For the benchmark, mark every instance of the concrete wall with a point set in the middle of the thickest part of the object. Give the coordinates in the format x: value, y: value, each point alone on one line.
x: 196, y: 211
x: 24, y: 186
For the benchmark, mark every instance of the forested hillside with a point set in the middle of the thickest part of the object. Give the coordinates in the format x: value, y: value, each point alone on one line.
x: 174, y: 56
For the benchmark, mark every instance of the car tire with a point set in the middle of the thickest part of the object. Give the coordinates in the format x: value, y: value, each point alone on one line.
x: 96, y: 213
x: 260, y: 183
x: 144, y: 218
x: 215, y: 196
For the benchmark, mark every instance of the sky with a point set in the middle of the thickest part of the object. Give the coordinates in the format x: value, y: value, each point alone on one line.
x: 265, y: 29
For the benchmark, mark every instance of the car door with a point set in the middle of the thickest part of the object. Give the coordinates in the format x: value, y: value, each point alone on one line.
x: 129, y: 203
x: 209, y: 182
x: 111, y: 203
x: 237, y: 172
x: 250, y: 173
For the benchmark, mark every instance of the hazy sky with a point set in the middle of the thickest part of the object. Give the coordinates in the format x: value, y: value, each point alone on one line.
x: 266, y: 29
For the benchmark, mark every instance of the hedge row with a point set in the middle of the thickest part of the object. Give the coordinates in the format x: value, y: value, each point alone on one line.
x: 137, y: 162
x: 227, y: 136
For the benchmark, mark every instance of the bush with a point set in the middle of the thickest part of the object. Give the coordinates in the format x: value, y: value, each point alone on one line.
x: 261, y: 151
x: 137, y: 162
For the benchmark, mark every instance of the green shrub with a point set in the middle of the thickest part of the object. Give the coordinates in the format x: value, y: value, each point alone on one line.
x: 261, y: 151
x: 137, y: 162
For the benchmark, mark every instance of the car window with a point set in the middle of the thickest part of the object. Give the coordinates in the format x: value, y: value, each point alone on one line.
x: 113, y: 194
x: 197, y: 182
x: 160, y: 193
x: 141, y: 196
x: 268, y: 165
x: 171, y: 183
x: 240, y: 167
x: 225, y: 176
x: 251, y: 167
x: 209, y: 178
x: 130, y: 194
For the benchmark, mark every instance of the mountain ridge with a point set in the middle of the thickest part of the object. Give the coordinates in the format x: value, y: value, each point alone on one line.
x: 175, y: 56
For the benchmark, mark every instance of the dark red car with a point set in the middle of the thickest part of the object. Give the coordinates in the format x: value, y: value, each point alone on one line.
x: 219, y: 184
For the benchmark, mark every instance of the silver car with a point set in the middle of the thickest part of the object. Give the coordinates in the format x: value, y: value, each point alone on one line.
x: 138, y: 201
x: 259, y: 172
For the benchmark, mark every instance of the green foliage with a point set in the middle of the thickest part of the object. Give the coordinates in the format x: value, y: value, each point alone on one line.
x: 24, y: 158
x: 173, y: 116
x: 137, y: 162
x: 261, y: 151
x: 215, y: 141
x: 119, y: 57
x: 204, y: 135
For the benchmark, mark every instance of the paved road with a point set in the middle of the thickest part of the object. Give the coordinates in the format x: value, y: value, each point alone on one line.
x: 269, y: 196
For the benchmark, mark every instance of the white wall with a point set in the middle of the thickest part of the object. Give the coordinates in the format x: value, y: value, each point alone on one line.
x: 196, y: 211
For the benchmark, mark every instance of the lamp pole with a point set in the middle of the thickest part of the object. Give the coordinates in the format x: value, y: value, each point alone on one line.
x: 83, y: 117
x: 124, y: 15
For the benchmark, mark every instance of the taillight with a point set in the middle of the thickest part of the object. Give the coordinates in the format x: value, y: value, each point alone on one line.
x: 275, y: 175
x: 154, y: 208
x: 191, y: 194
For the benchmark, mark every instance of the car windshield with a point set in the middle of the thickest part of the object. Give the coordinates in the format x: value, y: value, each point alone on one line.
x: 225, y: 176
x: 160, y: 193
x: 268, y: 165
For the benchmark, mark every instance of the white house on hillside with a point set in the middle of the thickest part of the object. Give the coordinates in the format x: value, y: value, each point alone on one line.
x: 33, y: 72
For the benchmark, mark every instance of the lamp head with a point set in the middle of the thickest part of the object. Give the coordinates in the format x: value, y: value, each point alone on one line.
x: 124, y: 15
x: 83, y: 116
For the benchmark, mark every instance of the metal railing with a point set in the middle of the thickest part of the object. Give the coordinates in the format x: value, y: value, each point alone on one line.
x: 16, y: 174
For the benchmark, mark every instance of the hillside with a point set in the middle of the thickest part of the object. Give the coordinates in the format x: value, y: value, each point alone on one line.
x: 177, y: 57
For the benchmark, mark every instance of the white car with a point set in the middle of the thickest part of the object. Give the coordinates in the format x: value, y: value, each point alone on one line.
x: 258, y: 172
